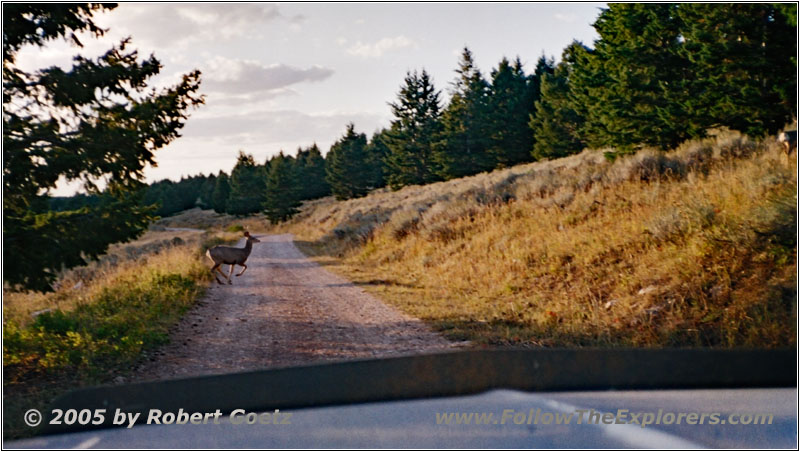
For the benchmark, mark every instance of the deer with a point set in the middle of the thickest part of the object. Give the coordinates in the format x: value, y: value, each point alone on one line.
x: 232, y: 256
x: 789, y: 142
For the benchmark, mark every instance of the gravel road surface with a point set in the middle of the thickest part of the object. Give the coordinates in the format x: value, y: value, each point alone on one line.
x: 285, y: 310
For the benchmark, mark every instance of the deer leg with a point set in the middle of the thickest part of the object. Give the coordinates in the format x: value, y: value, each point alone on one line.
x: 242, y: 272
x: 219, y: 270
x: 231, y: 274
x: 214, y: 271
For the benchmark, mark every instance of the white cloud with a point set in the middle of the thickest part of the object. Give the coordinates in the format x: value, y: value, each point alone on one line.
x: 178, y: 25
x: 377, y: 49
x: 277, y: 126
x: 566, y: 18
x: 246, y: 77
x: 297, y: 19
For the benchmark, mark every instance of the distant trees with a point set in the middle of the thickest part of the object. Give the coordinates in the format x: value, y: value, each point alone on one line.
x: 170, y: 197
x: 377, y: 151
x: 247, y: 186
x: 311, y: 173
x: 658, y: 75
x: 345, y: 165
x: 222, y: 191
x: 97, y: 120
x: 282, y: 188
x: 206, y: 195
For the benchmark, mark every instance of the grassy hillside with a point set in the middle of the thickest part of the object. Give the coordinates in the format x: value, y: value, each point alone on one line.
x: 695, y: 247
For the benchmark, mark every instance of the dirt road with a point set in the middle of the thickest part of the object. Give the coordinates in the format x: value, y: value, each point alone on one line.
x: 285, y: 310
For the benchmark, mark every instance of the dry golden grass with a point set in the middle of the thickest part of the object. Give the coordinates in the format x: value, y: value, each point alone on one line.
x: 211, y: 221
x: 75, y: 284
x: 693, y: 247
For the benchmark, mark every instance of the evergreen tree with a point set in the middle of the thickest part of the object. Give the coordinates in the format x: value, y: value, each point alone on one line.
x: 247, y: 186
x: 164, y: 196
x: 222, y: 191
x: 416, y: 126
x: 663, y: 73
x: 463, y: 148
x: 345, y: 165
x: 556, y: 124
x: 187, y: 191
x: 207, y: 192
x: 377, y: 151
x: 97, y: 120
x: 743, y: 65
x: 282, y: 193
x: 629, y: 85
x: 311, y: 173
x: 511, y: 103
x: 173, y: 197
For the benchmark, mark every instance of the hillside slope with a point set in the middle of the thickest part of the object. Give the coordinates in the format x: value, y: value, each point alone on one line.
x: 695, y: 247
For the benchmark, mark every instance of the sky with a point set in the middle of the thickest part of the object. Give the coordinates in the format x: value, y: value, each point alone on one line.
x: 280, y: 76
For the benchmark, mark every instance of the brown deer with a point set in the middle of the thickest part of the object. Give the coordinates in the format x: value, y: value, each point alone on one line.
x: 231, y: 256
x: 789, y: 142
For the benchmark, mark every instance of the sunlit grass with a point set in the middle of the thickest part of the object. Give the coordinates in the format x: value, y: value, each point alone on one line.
x: 689, y: 248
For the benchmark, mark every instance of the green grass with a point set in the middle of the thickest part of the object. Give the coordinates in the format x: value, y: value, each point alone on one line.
x: 102, y: 335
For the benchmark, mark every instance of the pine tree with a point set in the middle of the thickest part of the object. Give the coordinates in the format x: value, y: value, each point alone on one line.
x: 557, y: 125
x: 463, y: 147
x: 247, y: 186
x: 416, y: 126
x: 207, y: 191
x: 346, y: 167
x: 377, y: 151
x: 630, y: 84
x: 95, y: 121
x: 511, y: 103
x: 222, y: 191
x: 282, y: 188
x: 743, y: 65
x: 663, y: 73
x: 311, y: 170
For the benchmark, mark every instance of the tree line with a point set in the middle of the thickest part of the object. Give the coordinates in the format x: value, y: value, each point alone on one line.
x: 658, y: 75
x: 483, y: 127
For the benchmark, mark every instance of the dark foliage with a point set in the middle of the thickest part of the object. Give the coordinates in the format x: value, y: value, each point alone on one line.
x: 97, y: 120
x: 415, y: 128
x: 345, y: 165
